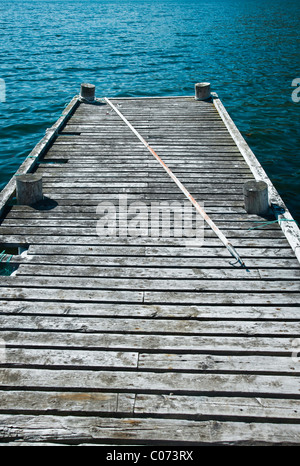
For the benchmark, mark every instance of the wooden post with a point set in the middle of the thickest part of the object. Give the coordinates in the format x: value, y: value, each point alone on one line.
x: 202, y: 91
x: 29, y: 189
x: 256, y: 197
x: 87, y: 92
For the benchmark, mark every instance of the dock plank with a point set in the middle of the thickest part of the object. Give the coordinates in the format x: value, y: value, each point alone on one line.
x: 150, y: 326
x: 76, y: 430
x: 231, y: 345
x: 175, y: 382
x: 134, y: 310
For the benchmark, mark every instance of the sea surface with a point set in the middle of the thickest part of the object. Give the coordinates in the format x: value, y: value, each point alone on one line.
x: 247, y: 49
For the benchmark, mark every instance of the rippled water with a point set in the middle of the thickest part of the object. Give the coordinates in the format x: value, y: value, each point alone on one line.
x: 248, y: 50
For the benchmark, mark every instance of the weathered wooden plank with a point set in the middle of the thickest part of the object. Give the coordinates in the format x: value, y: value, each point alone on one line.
x: 147, y: 199
x: 61, y: 269
x: 186, y: 132
x: 66, y: 402
x: 138, y: 150
x: 81, y: 430
x: 73, y: 156
x: 83, y: 231
x: 198, y: 287
x: 230, y: 407
x: 80, y: 214
x: 146, y: 218
x: 163, y: 185
x: 128, y: 172
x: 159, y: 219
x: 205, y: 135
x: 26, y: 239
x: 60, y: 294
x: 175, y: 382
x: 218, y: 210
x: 18, y: 357
x: 213, y: 311
x: 160, y: 224
x: 85, y: 251
x: 264, y: 345
x: 119, y: 188
x: 150, y: 326
x: 219, y: 363
x: 154, y: 297
x: 137, y: 187
x: 136, y: 177
x: 255, y: 252
x: 95, y: 127
x: 20, y: 443
x: 141, y: 272
x: 53, y: 170
x: 93, y: 200
x: 120, y: 168
x: 144, y: 161
x: 159, y: 248
x: 138, y: 194
x: 198, y: 162
x: 229, y: 297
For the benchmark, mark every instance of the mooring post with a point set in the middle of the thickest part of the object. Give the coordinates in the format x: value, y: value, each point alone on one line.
x: 256, y: 197
x: 87, y: 92
x: 29, y: 189
x: 202, y: 91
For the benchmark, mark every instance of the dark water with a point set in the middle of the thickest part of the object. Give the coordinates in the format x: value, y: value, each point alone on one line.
x: 248, y: 50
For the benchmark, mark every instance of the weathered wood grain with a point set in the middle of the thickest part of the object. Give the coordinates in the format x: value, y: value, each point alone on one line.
x: 164, y: 249
x: 129, y: 310
x: 93, y: 240
x: 204, y: 406
x: 81, y: 430
x: 219, y: 363
x: 57, y: 358
x: 243, y: 345
x: 198, y: 287
x: 66, y: 402
x: 175, y: 382
x: 67, y: 294
x: 88, y: 231
x: 149, y: 326
x: 230, y: 297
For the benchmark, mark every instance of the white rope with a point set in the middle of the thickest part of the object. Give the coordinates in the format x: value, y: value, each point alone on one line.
x: 197, y: 206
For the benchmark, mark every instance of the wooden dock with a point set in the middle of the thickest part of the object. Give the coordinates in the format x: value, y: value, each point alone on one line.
x: 143, y: 340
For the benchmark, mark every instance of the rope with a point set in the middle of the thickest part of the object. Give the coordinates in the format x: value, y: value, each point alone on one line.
x: 199, y: 209
x: 272, y: 221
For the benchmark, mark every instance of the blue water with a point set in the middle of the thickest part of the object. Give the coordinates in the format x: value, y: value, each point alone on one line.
x: 248, y: 50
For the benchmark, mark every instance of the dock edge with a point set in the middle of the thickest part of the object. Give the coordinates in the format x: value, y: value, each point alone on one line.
x: 285, y: 219
x: 31, y: 160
